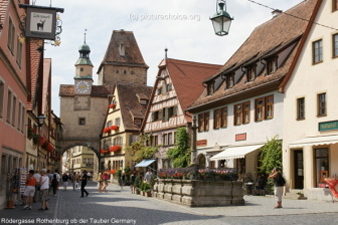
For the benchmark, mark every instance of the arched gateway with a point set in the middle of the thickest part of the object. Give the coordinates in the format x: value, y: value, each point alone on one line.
x: 83, y: 109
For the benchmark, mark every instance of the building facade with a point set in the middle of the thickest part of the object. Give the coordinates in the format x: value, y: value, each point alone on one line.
x: 14, y: 72
x: 124, y: 71
x: 241, y: 107
x: 177, y: 85
x: 123, y: 124
x: 310, y: 144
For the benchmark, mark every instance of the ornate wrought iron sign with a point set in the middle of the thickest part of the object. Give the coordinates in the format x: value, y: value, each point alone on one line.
x: 42, y: 22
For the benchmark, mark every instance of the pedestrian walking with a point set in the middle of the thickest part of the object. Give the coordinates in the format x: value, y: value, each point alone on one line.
x: 29, y: 190
x: 55, y: 182
x: 105, y: 177
x: 36, y: 197
x: 77, y: 179
x: 148, y: 176
x: 65, y: 179
x: 123, y: 179
x: 73, y: 180
x: 100, y: 180
x: 84, y: 179
x: 279, y: 183
x: 44, y: 188
x: 50, y: 176
x: 132, y: 182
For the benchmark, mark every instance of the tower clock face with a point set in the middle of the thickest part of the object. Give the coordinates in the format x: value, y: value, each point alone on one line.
x: 82, y: 87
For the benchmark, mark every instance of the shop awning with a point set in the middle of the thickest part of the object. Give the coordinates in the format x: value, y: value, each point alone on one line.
x: 235, y: 152
x: 313, y: 141
x: 145, y: 162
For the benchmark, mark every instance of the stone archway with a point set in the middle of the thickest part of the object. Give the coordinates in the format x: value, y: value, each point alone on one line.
x: 93, y: 146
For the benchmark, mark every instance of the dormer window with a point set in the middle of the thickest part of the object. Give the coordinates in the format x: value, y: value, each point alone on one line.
x: 122, y: 49
x: 138, y: 122
x: 210, y: 88
x: 142, y: 98
x: 271, y: 65
x: 143, y: 101
x: 251, y: 73
x: 230, y: 81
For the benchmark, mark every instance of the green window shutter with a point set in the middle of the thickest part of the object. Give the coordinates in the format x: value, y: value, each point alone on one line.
x: 152, y: 117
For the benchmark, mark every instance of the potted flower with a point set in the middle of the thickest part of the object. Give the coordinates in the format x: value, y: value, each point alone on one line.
x: 106, y: 130
x: 146, y: 189
x: 138, y: 182
x: 114, y: 148
x: 112, y: 106
x: 103, y: 151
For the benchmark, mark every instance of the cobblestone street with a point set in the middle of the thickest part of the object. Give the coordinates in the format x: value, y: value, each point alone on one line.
x: 122, y: 207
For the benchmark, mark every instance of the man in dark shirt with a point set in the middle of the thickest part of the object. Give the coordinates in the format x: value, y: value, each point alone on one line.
x: 84, y: 179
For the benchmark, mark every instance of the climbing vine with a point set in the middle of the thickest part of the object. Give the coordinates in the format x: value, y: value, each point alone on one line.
x: 180, y: 154
x: 140, y: 150
x: 271, y: 156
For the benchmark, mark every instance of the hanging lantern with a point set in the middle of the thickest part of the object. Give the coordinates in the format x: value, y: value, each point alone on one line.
x: 221, y: 21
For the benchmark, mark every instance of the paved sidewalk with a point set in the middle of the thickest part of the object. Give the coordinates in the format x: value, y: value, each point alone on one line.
x: 119, y: 203
x: 256, y: 206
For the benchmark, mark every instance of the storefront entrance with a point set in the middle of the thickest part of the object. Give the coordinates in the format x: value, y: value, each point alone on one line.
x: 298, y: 169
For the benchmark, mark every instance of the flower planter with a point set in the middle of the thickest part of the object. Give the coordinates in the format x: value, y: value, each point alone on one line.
x: 114, y: 127
x: 198, y: 193
x: 115, y: 148
x: 106, y: 130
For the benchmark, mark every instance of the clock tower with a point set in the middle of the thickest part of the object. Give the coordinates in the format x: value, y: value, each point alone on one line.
x: 83, y: 72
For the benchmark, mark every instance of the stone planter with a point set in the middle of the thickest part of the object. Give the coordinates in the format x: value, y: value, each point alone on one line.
x: 196, y: 193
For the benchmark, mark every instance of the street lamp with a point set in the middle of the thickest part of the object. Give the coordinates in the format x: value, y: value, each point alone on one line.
x: 221, y: 20
x: 41, y: 118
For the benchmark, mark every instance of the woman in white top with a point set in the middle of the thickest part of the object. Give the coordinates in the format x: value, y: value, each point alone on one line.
x: 44, y: 187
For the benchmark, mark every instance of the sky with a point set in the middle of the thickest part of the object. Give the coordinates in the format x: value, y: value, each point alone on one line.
x: 183, y: 27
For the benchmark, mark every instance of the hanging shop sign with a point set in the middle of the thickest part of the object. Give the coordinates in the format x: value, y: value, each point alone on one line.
x: 40, y: 21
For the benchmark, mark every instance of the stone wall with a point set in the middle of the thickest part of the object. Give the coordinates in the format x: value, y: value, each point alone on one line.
x: 196, y: 193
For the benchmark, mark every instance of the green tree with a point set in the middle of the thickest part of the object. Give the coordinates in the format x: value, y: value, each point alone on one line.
x: 140, y: 150
x: 271, y: 156
x: 180, y: 154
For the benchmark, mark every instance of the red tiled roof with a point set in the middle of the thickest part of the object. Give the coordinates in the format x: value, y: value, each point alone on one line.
x: 278, y: 33
x: 67, y: 90
x: 187, y: 78
x: 130, y: 105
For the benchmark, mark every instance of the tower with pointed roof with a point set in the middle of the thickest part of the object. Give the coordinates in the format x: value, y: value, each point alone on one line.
x: 83, y: 71
x: 83, y: 107
x: 123, y: 61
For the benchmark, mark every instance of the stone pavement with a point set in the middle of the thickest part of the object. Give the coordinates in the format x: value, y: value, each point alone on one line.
x: 121, y: 207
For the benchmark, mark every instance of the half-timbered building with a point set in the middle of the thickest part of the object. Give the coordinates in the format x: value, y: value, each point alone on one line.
x: 178, y: 84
